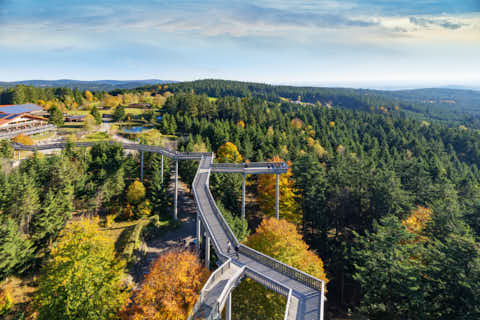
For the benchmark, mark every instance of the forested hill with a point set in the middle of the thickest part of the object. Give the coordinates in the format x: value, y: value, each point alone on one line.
x: 459, y: 106
x: 97, y: 85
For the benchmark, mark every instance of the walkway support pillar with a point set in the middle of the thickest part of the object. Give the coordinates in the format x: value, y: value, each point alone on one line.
x: 199, y: 233
x: 228, y: 307
x: 175, y: 208
x: 18, y: 153
x: 243, y: 197
x: 207, y: 251
x: 277, y: 196
x: 162, y: 169
x: 141, y: 166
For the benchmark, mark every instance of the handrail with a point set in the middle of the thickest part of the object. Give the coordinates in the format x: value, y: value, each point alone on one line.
x: 212, y: 278
x: 214, y: 240
x: 226, y: 290
x: 287, y: 308
x: 220, y: 217
x: 283, y: 268
x: 270, y: 283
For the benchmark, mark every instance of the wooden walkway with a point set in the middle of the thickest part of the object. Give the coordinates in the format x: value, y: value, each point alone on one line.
x: 305, y: 294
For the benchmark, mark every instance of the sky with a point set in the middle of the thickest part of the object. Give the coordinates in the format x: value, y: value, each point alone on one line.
x: 363, y: 43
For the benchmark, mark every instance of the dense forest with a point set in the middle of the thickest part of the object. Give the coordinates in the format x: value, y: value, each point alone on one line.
x: 389, y: 202
x: 449, y: 105
x: 391, y: 205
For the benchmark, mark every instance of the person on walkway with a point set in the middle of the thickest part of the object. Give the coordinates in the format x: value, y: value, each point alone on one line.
x: 229, y: 247
x: 237, y: 250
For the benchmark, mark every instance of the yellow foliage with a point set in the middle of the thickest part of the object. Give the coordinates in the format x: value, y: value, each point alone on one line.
x: 340, y: 149
x: 6, y: 302
x: 88, y: 96
x: 82, y: 276
x: 331, y: 124
x: 135, y: 192
x: 171, y: 288
x: 270, y: 131
x: 417, y: 220
x: 241, y: 124
x: 229, y: 153
x: 23, y: 139
x: 288, y: 206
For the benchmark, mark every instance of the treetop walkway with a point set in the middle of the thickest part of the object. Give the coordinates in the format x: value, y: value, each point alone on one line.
x: 305, y: 294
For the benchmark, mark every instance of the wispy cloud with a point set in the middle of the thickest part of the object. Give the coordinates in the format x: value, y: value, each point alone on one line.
x: 444, y: 23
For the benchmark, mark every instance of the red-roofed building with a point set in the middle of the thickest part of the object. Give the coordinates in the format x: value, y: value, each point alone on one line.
x: 16, y: 119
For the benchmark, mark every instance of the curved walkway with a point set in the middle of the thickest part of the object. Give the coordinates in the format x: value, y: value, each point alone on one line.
x: 305, y: 293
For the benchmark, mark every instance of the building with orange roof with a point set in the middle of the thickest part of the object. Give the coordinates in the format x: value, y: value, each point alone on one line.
x: 25, y: 119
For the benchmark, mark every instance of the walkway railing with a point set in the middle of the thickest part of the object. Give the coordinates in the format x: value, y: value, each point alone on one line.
x: 258, y: 258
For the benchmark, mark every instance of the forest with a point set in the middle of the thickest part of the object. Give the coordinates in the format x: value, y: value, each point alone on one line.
x: 391, y: 205
x: 383, y: 205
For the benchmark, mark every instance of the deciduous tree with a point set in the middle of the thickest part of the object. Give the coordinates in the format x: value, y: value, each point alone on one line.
x: 171, y: 289
x: 266, y: 188
x: 82, y: 280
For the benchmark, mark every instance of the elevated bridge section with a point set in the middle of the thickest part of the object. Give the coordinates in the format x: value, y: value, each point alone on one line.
x: 305, y: 294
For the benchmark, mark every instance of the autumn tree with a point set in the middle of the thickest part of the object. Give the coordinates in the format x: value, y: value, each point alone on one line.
x: 288, y: 206
x: 136, y: 192
x: 280, y: 240
x: 229, y: 153
x: 82, y: 280
x: 170, y: 290
x: 23, y: 139
x: 88, y: 96
x: 89, y: 122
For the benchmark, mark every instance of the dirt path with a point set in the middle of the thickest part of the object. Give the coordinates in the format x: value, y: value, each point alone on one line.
x: 181, y: 237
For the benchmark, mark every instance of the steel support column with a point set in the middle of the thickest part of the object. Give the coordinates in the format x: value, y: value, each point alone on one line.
x: 228, y: 307
x: 141, y: 166
x: 207, y: 251
x: 243, y: 197
x: 162, y: 169
x: 199, y: 234
x: 175, y: 212
x: 277, y: 196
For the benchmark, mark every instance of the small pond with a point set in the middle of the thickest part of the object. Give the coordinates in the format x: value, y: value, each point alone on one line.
x: 136, y: 129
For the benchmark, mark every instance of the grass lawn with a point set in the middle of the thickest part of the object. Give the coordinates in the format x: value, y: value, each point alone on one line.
x: 96, y: 136
x: 48, y: 135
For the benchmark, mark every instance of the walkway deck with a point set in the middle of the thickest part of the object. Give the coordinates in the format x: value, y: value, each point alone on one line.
x: 305, y: 293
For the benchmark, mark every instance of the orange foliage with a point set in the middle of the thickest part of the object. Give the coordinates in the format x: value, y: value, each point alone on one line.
x: 23, y: 139
x: 171, y: 288
x: 297, y: 123
x: 281, y: 240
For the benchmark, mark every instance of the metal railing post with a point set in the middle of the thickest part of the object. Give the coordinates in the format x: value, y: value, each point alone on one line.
x: 277, y: 196
x: 228, y: 307
x: 199, y: 227
x: 175, y: 208
x: 141, y: 166
x: 243, y: 197
x: 207, y: 251
x: 162, y: 169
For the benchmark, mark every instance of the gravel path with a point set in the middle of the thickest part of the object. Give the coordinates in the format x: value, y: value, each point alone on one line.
x: 181, y: 237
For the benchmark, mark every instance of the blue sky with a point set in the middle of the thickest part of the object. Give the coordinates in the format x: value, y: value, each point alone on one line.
x: 326, y: 42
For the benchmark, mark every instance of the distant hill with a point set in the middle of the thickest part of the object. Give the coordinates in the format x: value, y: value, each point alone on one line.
x: 96, y: 85
x: 446, y: 104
